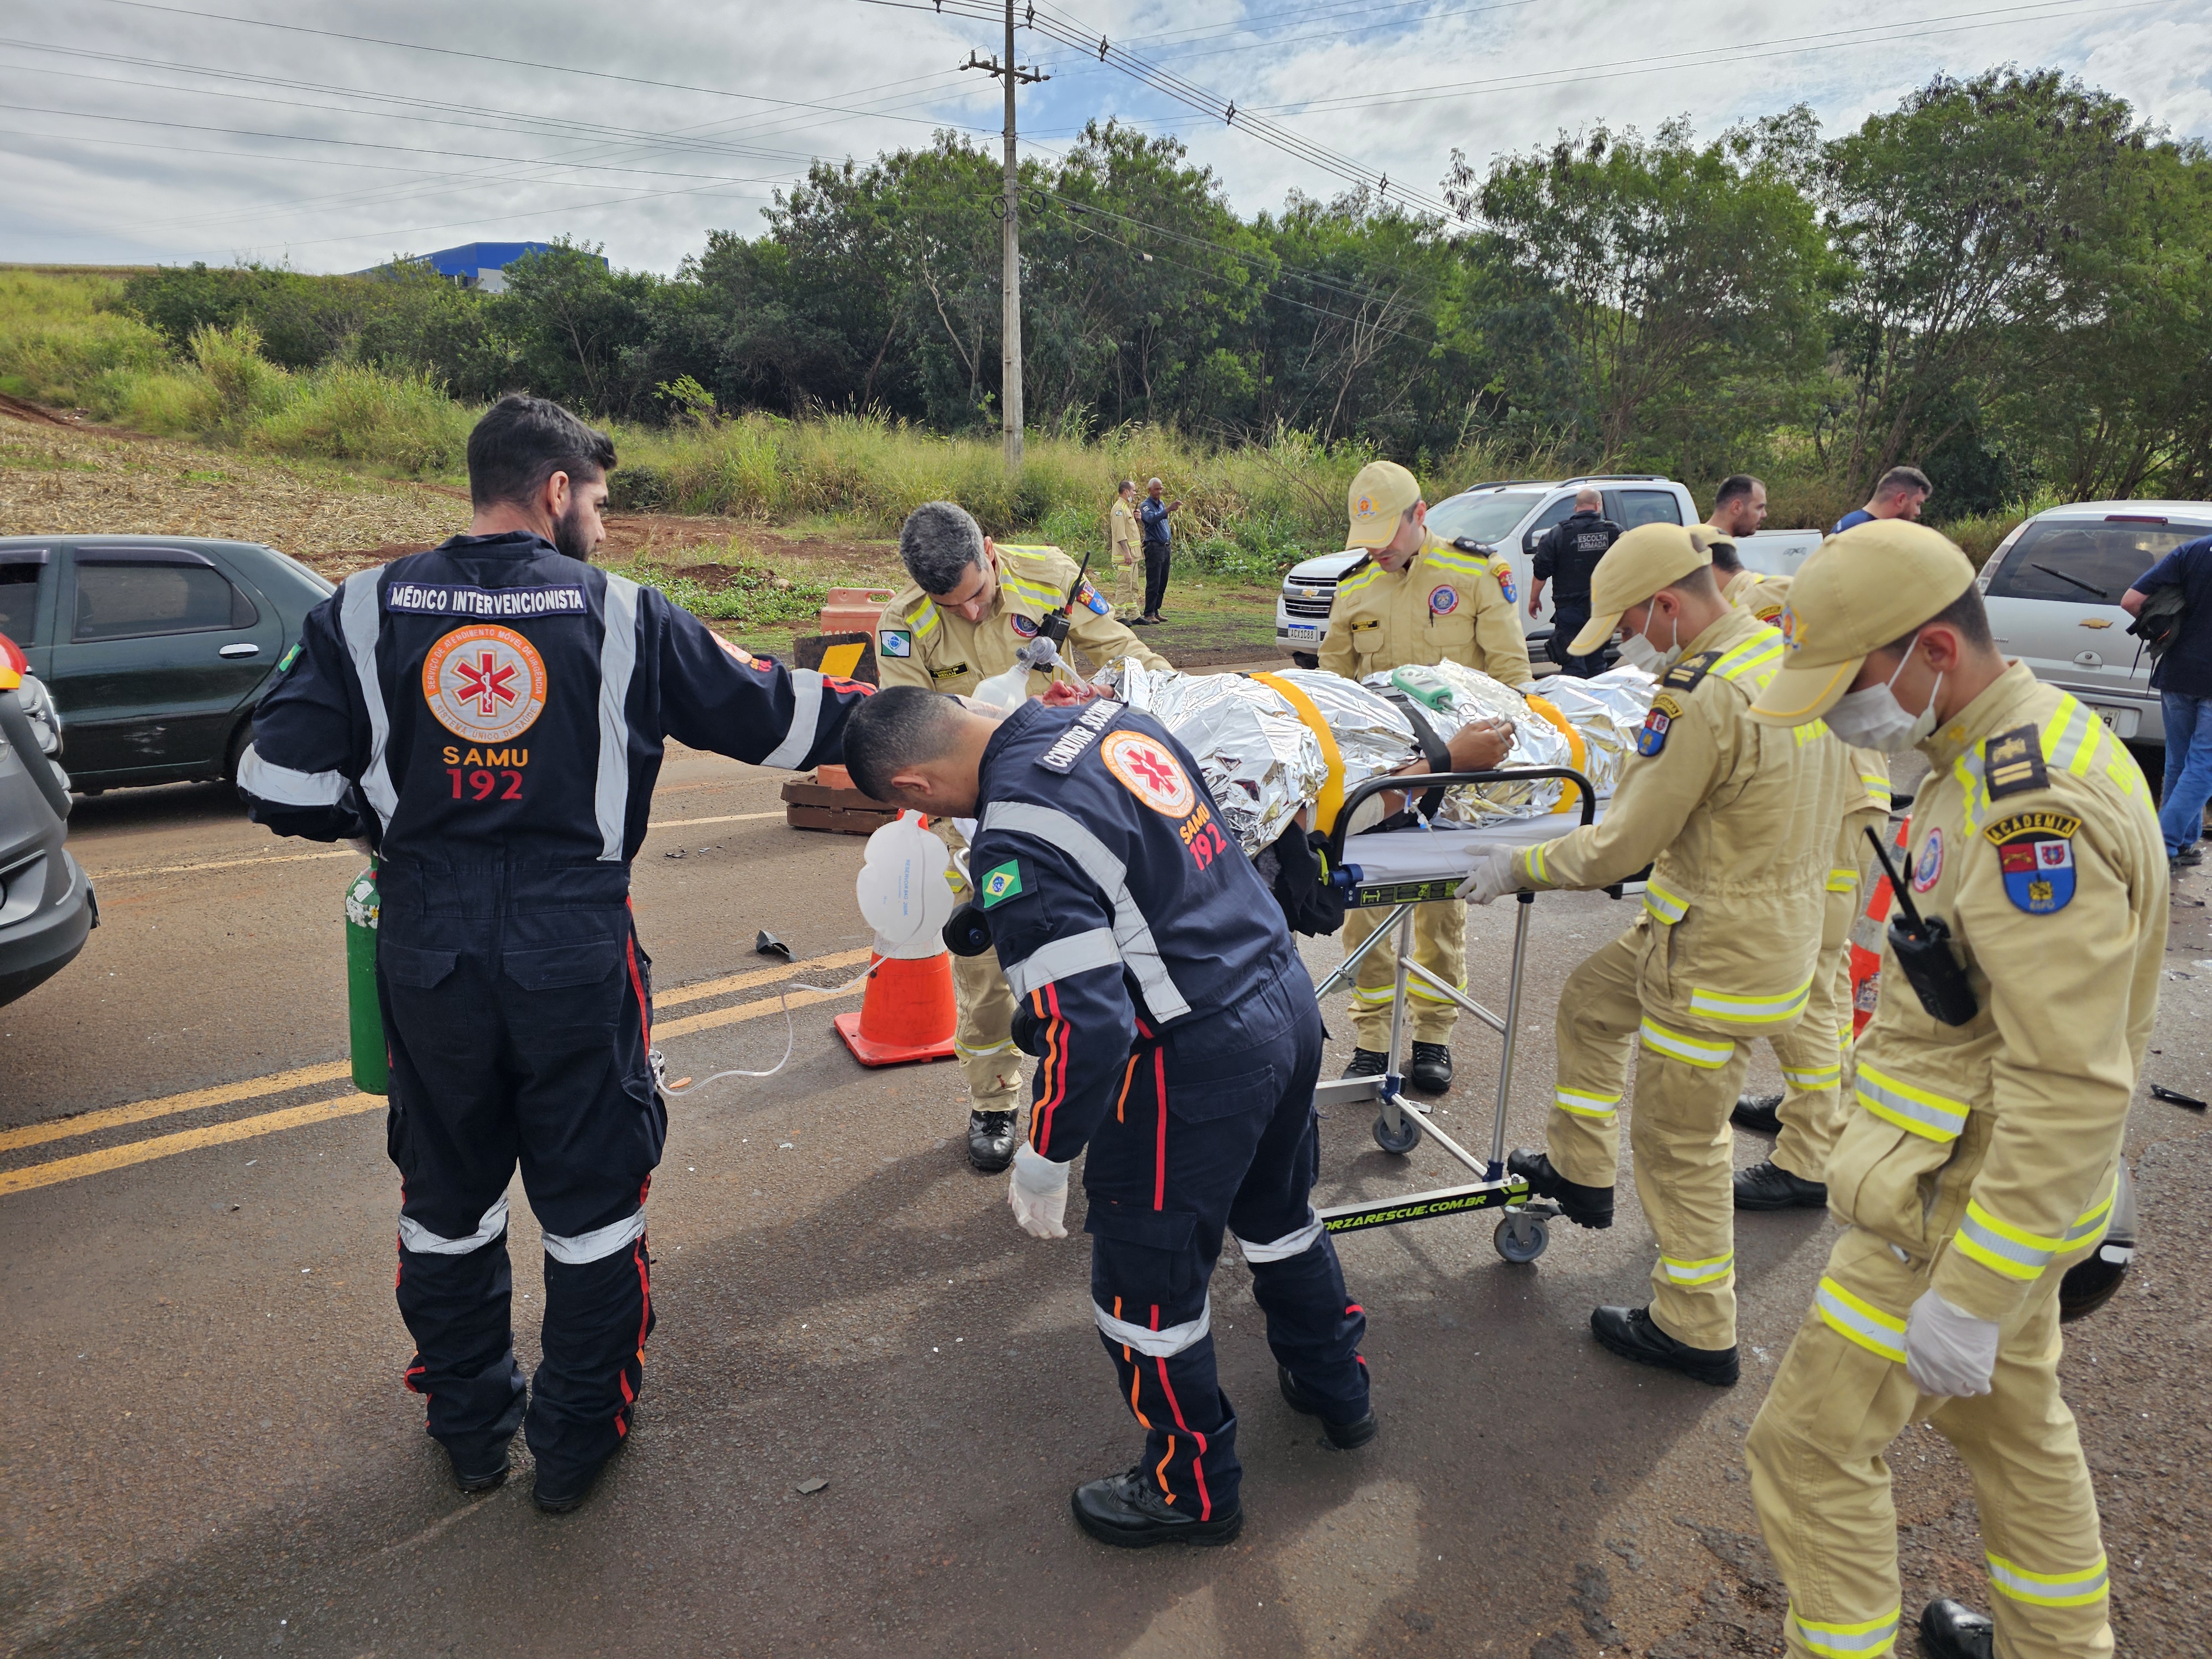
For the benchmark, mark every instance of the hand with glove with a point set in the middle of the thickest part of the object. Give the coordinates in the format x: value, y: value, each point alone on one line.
x: 1493, y: 878
x: 1038, y: 1194
x: 1948, y: 1351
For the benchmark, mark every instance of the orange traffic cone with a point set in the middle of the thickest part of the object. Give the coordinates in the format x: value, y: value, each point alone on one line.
x: 907, y: 1013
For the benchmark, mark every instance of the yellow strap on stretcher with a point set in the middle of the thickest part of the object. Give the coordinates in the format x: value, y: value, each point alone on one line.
x: 1332, y: 793
x: 1577, y: 752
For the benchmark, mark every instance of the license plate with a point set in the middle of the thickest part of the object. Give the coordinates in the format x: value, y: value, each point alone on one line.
x: 1305, y: 631
x: 2121, y: 722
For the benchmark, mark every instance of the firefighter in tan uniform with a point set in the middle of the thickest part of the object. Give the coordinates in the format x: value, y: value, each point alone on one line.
x: 1738, y: 822
x: 1415, y: 600
x: 1981, y: 1158
x: 1806, y: 1118
x: 973, y: 604
x: 1126, y: 544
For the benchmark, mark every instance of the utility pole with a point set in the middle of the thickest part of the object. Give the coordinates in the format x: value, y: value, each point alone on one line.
x: 1010, y: 248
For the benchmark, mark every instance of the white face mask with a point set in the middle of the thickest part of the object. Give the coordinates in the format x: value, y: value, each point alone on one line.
x: 1639, y: 650
x: 1874, y: 719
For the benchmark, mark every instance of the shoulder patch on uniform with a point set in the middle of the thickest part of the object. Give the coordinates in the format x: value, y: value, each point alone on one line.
x: 2012, y: 763
x: 285, y: 661
x: 895, y: 641
x: 1651, y: 738
x: 1082, y: 732
x: 1087, y: 595
x: 953, y: 672
x: 1685, y: 675
x: 2035, y: 855
x: 1503, y: 572
x: 2064, y: 825
x: 1004, y: 882
x: 1148, y: 769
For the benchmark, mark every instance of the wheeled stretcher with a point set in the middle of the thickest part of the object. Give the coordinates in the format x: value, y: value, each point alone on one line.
x: 1426, y: 864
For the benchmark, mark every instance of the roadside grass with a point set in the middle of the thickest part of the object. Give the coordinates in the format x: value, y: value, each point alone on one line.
x: 1249, y: 511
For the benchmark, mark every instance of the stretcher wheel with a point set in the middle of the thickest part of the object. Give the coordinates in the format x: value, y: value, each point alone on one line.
x: 1409, y: 1135
x: 1522, y: 1237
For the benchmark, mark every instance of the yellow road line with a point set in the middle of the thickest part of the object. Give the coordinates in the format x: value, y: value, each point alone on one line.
x: 61, y: 1128
x: 349, y: 853
x: 321, y: 1111
x: 277, y: 1083
x: 185, y: 1140
x: 716, y: 988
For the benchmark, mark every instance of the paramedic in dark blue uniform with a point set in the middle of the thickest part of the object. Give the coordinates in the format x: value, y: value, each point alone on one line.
x: 1178, y: 1038
x: 490, y: 715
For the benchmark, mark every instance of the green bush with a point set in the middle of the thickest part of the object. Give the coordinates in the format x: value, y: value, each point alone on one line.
x: 402, y: 421
x: 750, y: 595
x: 58, y: 346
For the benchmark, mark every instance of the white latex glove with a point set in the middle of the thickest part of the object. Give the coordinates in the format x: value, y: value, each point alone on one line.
x: 1947, y: 1351
x: 360, y: 844
x: 1493, y: 879
x: 1038, y: 1194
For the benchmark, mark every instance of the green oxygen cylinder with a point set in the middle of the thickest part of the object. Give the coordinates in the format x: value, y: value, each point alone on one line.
x: 372, y: 1066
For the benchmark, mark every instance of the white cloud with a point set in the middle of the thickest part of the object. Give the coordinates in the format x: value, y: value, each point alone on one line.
x: 159, y: 158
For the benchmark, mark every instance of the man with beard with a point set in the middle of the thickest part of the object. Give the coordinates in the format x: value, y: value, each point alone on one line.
x: 490, y: 717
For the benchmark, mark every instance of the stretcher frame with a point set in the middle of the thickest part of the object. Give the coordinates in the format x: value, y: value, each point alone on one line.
x: 1401, y: 1124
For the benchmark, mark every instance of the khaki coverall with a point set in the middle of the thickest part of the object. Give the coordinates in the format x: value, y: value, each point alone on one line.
x: 1811, y: 1063
x: 1450, y: 602
x: 1980, y: 1162
x: 919, y: 642
x: 1738, y: 822
x: 1126, y: 546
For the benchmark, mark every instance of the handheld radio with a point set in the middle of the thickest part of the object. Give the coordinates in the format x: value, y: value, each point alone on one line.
x: 1922, y: 945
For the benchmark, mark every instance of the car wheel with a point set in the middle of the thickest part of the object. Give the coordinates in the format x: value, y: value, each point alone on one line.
x: 239, y: 739
x: 1305, y: 659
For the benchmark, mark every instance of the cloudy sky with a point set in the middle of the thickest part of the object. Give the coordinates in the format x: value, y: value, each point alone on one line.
x: 329, y: 134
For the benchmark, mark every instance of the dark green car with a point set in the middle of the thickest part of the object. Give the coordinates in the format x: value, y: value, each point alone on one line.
x: 156, y: 647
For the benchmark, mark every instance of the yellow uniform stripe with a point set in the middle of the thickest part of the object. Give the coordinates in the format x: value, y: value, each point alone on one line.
x: 1859, y: 1321
x: 2049, y: 1590
x: 1923, y: 1111
x: 1692, y: 1051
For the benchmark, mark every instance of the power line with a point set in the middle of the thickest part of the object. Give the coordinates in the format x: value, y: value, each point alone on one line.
x: 1783, y: 46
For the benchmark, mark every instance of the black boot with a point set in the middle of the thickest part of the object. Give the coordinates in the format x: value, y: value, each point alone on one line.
x: 1949, y: 1631
x: 479, y: 1471
x: 559, y: 1490
x: 1630, y: 1332
x: 991, y: 1140
x: 1586, y: 1207
x: 1345, y: 1437
x: 1430, y: 1071
x: 1127, y: 1511
x: 1368, y: 1062
x: 1768, y: 1185
x: 1757, y: 1113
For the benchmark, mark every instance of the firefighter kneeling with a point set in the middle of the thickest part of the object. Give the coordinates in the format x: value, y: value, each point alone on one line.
x: 1991, y: 1088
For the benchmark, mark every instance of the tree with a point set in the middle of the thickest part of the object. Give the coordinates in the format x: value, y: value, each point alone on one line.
x: 1969, y: 220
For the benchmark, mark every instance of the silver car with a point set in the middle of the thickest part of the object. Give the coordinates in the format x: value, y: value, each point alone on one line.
x: 2053, y: 591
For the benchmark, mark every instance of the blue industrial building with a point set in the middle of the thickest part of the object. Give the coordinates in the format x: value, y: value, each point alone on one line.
x: 481, y: 264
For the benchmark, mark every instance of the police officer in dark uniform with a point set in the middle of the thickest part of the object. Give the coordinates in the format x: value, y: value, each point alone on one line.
x: 1179, y: 1040
x: 1566, y: 556
x: 489, y: 716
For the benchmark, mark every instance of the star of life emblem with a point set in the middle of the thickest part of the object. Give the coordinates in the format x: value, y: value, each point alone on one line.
x: 486, y: 683
x: 1149, y: 772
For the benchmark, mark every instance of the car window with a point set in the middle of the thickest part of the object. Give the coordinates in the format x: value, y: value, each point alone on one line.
x: 1558, y: 511
x: 129, y: 601
x: 1488, y: 518
x: 2084, y: 561
x: 1648, y: 506
x: 19, y: 602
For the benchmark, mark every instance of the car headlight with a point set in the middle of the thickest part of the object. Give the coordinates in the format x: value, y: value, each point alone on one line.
x: 37, y: 705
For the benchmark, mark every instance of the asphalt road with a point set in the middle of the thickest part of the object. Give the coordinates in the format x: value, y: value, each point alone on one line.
x: 210, y: 1453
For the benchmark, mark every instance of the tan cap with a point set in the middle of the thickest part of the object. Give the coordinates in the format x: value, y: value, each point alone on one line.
x: 1379, y: 498
x: 1645, y: 559
x: 1860, y: 591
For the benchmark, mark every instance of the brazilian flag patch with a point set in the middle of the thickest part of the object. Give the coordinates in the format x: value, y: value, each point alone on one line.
x: 1000, y: 884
